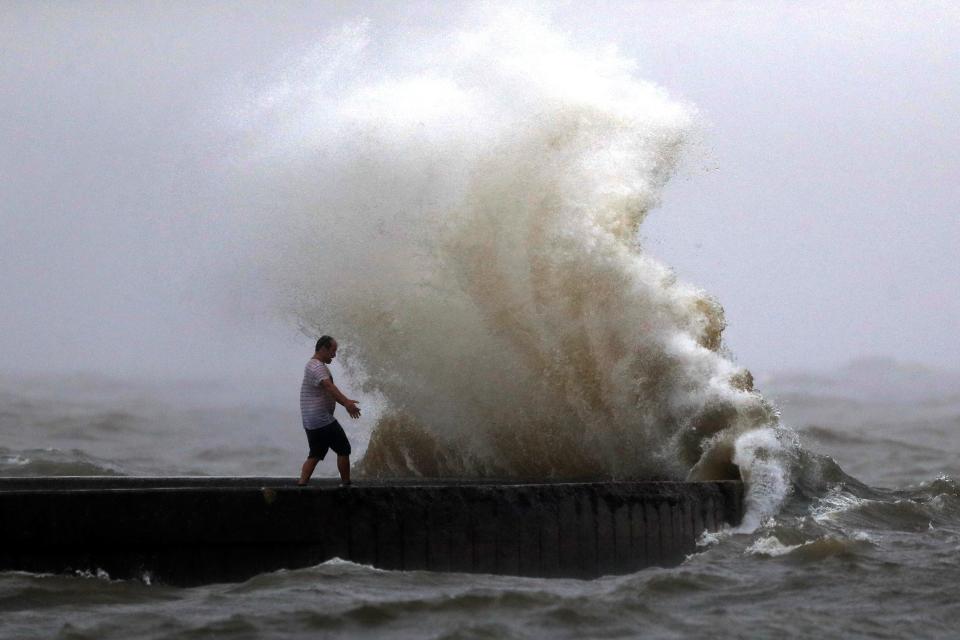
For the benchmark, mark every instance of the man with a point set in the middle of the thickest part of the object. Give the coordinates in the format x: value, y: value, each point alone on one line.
x: 318, y: 398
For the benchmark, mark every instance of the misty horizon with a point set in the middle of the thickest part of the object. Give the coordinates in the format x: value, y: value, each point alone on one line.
x: 819, y: 209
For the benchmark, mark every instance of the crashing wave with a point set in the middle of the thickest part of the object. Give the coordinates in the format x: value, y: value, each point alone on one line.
x: 467, y: 222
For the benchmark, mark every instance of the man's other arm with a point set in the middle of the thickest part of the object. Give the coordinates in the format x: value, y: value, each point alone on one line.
x: 348, y: 404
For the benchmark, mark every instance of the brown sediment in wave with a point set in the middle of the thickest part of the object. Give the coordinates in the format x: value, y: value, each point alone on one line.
x: 504, y: 309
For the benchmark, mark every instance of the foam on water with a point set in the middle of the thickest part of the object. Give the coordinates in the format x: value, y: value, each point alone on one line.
x: 466, y: 223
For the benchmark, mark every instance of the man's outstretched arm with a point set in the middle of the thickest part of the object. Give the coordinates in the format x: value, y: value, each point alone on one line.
x: 348, y: 404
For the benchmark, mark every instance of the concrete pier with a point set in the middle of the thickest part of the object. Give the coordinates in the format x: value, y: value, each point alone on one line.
x: 196, y: 530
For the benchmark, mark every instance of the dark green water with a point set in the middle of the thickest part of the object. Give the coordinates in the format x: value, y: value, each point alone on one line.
x: 869, y: 554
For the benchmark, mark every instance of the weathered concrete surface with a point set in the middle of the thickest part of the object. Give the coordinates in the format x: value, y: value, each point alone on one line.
x: 196, y: 530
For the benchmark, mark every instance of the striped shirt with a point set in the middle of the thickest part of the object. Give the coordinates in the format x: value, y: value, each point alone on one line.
x: 316, y: 403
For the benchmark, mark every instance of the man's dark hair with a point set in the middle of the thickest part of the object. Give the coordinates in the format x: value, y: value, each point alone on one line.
x: 323, y: 342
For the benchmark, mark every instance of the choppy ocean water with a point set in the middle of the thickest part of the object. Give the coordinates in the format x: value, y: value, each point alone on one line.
x: 872, y: 552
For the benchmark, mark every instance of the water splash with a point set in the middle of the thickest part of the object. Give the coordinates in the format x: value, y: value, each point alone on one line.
x: 466, y: 221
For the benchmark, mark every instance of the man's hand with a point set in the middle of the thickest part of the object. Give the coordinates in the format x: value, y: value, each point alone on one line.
x: 352, y: 408
x: 348, y: 404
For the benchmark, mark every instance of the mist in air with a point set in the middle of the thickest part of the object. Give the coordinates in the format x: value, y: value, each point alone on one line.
x: 524, y: 234
x: 818, y: 210
x: 634, y: 241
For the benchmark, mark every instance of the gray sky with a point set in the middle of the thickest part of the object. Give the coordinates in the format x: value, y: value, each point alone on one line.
x: 822, y: 211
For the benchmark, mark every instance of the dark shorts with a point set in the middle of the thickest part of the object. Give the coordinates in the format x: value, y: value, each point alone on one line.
x: 328, y: 437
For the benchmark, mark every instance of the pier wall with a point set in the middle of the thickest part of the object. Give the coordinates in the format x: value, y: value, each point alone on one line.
x: 196, y: 530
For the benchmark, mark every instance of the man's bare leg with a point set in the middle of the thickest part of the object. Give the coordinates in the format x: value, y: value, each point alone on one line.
x: 343, y: 466
x: 307, y: 470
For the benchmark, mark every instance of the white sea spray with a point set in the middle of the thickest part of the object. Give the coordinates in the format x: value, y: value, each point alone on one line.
x: 466, y: 223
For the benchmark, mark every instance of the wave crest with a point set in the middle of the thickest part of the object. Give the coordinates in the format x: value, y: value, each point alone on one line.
x: 469, y: 228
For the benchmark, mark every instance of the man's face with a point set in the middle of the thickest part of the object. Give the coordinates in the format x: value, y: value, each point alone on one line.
x: 327, y: 354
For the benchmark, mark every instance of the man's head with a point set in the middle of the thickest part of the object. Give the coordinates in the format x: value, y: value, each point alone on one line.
x: 326, y: 349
